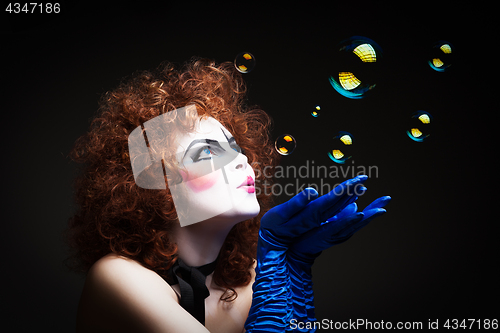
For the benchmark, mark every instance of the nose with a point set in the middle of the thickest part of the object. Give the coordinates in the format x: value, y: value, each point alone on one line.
x: 241, y: 162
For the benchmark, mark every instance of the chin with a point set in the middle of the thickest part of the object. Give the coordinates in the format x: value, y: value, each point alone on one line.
x: 241, y: 213
x: 248, y: 215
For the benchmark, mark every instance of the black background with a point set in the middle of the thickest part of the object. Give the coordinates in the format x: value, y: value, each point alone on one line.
x: 433, y: 255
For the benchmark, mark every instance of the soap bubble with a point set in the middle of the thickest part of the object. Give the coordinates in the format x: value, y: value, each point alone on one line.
x: 244, y: 62
x: 285, y: 144
x: 420, y: 125
x: 354, y: 67
x: 341, y: 148
x: 316, y: 110
x: 441, y: 56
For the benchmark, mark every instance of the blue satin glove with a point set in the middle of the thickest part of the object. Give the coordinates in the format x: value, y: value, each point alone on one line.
x: 272, y: 306
x: 302, y: 253
x: 271, y: 299
x: 336, y: 230
x: 305, y: 211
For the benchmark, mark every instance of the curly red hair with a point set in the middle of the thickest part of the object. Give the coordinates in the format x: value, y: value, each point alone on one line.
x: 116, y: 216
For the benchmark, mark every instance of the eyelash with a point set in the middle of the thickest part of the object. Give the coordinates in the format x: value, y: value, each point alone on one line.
x: 197, y: 158
x: 213, y: 151
x: 241, y: 150
x: 237, y: 148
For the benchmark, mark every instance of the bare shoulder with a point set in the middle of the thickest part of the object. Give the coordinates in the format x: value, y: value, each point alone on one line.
x: 122, y: 295
x: 117, y: 272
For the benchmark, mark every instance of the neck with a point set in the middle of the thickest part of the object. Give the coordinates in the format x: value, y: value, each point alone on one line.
x: 200, y: 243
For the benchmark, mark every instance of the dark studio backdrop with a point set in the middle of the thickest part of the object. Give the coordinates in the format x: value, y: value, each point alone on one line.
x: 434, y: 255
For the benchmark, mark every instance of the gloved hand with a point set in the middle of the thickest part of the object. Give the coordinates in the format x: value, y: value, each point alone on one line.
x: 303, y: 252
x: 337, y: 229
x: 271, y: 309
x: 284, y: 223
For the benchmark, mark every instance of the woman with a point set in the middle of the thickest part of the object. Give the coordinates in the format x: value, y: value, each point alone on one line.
x: 169, y: 184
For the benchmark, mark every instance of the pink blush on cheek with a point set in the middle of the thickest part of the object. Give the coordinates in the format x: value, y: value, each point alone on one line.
x: 200, y: 184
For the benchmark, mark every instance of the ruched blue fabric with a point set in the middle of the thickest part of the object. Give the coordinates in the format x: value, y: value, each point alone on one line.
x: 308, y: 247
x: 291, y: 237
x: 271, y: 302
x: 302, y: 293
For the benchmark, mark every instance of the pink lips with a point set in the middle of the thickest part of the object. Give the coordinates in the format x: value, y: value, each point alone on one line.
x: 248, y: 185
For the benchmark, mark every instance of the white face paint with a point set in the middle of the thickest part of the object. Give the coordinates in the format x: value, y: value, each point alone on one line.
x: 218, y: 182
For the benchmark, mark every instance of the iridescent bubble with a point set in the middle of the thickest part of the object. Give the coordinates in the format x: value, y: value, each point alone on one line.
x: 316, y: 110
x: 285, y: 144
x: 354, y: 67
x: 441, y: 56
x: 244, y: 62
x: 420, y: 126
x: 341, y: 148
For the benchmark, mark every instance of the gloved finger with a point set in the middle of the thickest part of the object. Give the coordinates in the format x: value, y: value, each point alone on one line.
x: 342, y: 203
x: 369, y: 216
x: 340, y: 226
x: 348, y: 210
x: 330, y: 204
x: 378, y: 203
x: 312, y: 217
x: 337, y: 199
x: 339, y: 232
x: 296, y: 204
x: 323, y: 237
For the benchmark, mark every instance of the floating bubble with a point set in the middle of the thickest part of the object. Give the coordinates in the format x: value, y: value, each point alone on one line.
x: 354, y: 67
x: 244, y: 62
x: 285, y: 144
x: 420, y: 125
x: 316, y: 110
x: 342, y: 147
x: 441, y: 56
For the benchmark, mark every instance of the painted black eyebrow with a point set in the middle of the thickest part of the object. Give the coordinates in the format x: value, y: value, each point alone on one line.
x: 229, y: 140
